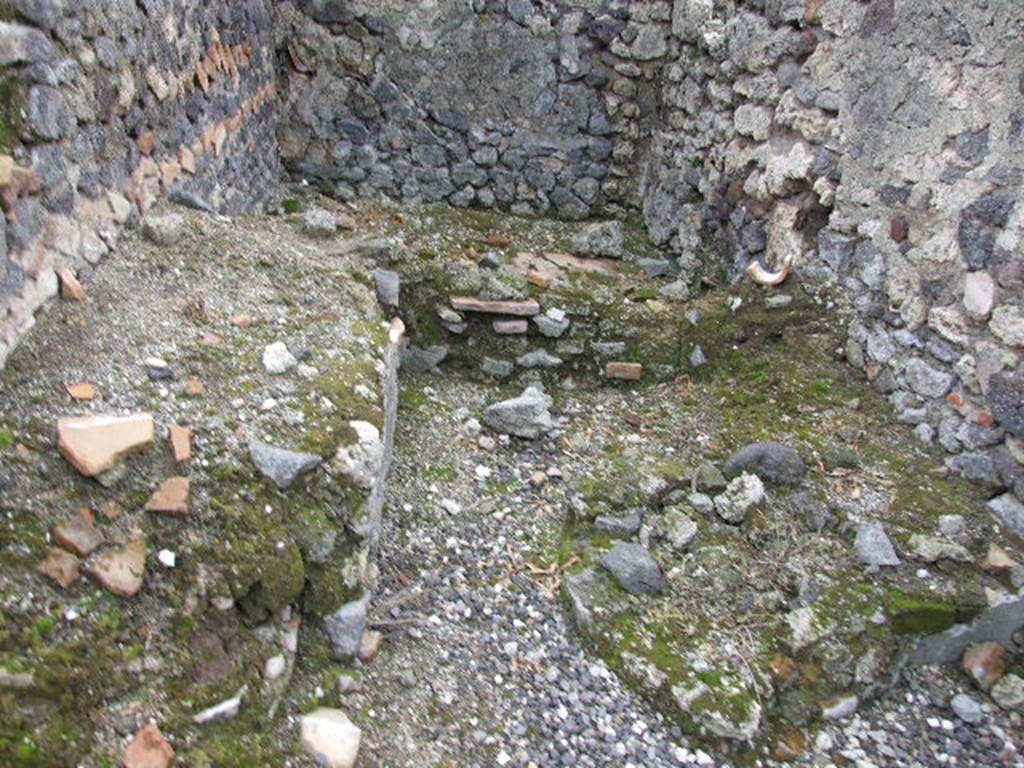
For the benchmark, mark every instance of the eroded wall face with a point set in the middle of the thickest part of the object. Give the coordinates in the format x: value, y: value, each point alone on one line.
x: 530, y: 107
x: 105, y: 106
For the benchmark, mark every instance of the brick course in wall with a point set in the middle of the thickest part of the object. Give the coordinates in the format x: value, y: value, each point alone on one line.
x: 108, y: 107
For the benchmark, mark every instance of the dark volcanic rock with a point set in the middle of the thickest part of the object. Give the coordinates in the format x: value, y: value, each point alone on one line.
x: 772, y: 462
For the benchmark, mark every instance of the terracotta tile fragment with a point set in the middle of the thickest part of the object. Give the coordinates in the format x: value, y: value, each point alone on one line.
x: 171, y: 497
x: 180, y: 439
x: 625, y: 371
x: 527, y: 308
x: 81, y: 391
x: 149, y: 749
x: 61, y: 566
x: 122, y: 571
x: 94, y: 444
x: 78, y: 535
x: 70, y: 288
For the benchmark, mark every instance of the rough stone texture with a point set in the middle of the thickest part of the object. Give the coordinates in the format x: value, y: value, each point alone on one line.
x: 772, y: 462
x: 345, y: 627
x: 740, y: 495
x: 874, y: 547
x: 417, y: 109
x: 634, y: 568
x: 524, y: 416
x: 737, y: 129
x: 997, y: 624
x: 282, y: 466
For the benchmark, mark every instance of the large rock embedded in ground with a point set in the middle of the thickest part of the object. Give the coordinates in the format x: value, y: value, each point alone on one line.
x: 330, y: 738
x: 634, y: 568
x: 772, y: 462
x: 526, y: 416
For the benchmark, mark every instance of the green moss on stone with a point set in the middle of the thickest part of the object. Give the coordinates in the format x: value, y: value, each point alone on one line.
x: 919, y: 614
x: 12, y: 109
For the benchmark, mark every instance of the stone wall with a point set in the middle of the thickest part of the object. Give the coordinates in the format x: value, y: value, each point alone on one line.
x: 105, y: 106
x: 880, y: 145
x: 537, y: 107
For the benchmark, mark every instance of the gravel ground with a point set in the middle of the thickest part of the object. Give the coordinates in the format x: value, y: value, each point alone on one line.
x: 481, y: 667
x: 487, y: 672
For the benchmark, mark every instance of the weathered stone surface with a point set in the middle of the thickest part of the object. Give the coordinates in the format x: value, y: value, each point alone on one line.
x: 149, y: 749
x: 740, y: 495
x: 525, y: 416
x: 95, y: 444
x: 282, y: 466
x: 931, y: 549
x: 625, y: 526
x: 927, y: 380
x: 1008, y: 693
x: 966, y: 708
x: 19, y: 43
x: 278, y: 360
x: 499, y: 369
x: 345, y: 627
x: 680, y: 529
x: 1009, y: 511
x: 737, y: 723
x: 634, y: 568
x: 330, y: 738
x: 389, y: 286
x: 552, y: 325
x: 1007, y: 324
x: 585, y: 592
x: 979, y: 294
x: 1006, y: 400
x: 996, y: 624
x: 418, y: 359
x: 318, y: 222
x: 362, y: 461
x: 604, y: 239
x: 839, y: 708
x: 874, y: 547
x: 538, y: 358
x: 171, y: 497
x: 122, y: 570
x: 772, y: 462
x: 165, y: 230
